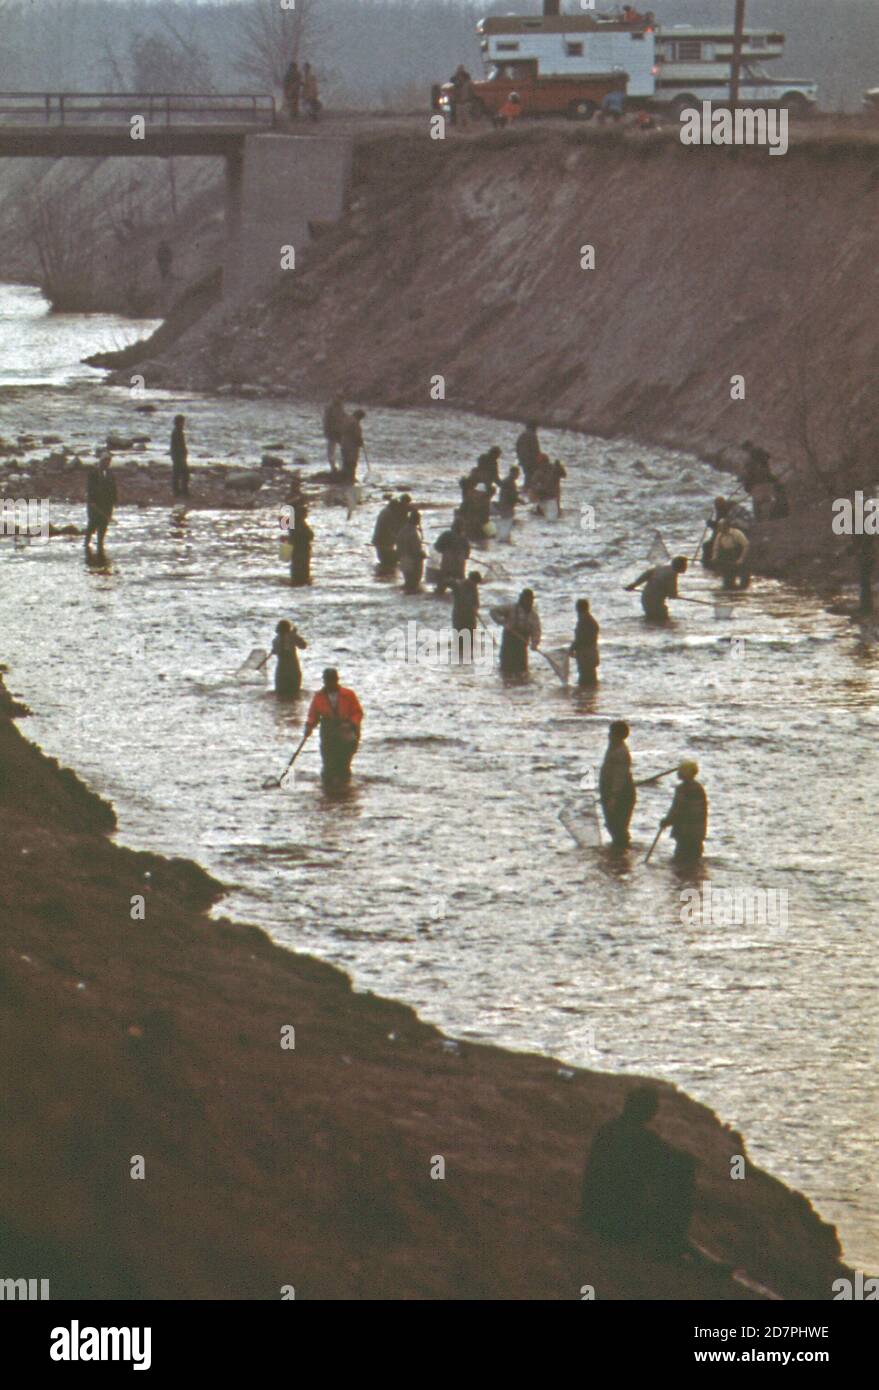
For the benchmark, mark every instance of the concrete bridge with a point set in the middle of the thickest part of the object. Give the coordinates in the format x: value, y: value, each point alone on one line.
x: 276, y: 182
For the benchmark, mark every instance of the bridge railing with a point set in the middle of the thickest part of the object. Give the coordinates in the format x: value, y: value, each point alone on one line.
x: 166, y: 108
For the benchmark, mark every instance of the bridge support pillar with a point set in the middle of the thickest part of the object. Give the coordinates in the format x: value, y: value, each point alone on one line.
x: 274, y: 190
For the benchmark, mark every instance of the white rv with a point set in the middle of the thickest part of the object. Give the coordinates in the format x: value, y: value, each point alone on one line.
x: 671, y: 67
x: 693, y: 64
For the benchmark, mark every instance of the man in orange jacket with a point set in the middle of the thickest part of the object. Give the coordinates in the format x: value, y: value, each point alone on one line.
x: 339, y: 714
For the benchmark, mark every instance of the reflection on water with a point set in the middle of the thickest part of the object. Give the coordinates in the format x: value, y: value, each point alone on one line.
x: 38, y: 347
x: 444, y: 877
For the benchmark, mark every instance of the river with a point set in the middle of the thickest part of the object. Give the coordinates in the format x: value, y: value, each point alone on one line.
x: 445, y: 878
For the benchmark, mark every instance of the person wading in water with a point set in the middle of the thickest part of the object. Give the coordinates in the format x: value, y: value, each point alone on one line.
x: 660, y: 584
x: 288, y: 673
x: 179, y: 458
x: 339, y: 714
x: 688, y: 814
x: 521, y: 626
x: 301, y: 537
x: 616, y: 786
x: 585, y: 645
x: 100, y: 501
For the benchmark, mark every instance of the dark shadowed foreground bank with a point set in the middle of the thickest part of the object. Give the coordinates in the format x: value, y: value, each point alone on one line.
x: 310, y: 1167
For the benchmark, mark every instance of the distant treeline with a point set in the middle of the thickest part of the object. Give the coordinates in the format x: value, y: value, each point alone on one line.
x: 368, y: 52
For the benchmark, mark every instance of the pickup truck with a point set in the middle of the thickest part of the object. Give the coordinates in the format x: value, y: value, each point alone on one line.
x: 576, y: 97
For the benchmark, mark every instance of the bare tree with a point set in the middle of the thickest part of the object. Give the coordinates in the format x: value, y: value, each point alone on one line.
x: 60, y: 229
x: 272, y: 38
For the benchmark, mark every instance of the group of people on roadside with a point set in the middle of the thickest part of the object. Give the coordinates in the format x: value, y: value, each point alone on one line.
x: 301, y: 90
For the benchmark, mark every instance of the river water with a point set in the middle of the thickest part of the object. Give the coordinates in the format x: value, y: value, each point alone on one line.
x: 444, y: 878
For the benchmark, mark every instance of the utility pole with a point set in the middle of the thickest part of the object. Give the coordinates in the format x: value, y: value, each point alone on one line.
x: 735, y: 67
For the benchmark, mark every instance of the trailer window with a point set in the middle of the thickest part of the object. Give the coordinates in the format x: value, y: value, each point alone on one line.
x: 508, y: 48
x: 574, y: 50
x: 688, y: 50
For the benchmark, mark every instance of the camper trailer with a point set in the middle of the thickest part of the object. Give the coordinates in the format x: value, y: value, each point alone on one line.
x: 554, y: 60
x: 694, y: 64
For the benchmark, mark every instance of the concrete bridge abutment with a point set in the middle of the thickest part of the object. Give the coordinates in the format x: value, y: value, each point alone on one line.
x: 275, y: 186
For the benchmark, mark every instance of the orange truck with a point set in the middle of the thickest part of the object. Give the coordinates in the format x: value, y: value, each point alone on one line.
x: 552, y: 95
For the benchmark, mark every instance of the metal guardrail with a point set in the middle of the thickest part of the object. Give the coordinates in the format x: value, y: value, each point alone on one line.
x: 81, y: 108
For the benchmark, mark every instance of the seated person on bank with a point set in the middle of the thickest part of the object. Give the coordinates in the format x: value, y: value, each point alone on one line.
x: 638, y: 1189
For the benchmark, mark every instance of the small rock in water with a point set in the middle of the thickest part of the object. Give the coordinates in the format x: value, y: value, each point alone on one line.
x: 244, y: 482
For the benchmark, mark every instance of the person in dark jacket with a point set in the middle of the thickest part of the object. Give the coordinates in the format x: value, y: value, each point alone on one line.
x: 410, y: 550
x: 528, y: 451
x: 388, y: 525
x: 454, y: 549
x: 286, y: 647
x: 310, y: 93
x: 521, y: 630
x: 301, y: 538
x: 585, y: 645
x: 351, y: 441
x: 292, y: 89
x: 487, y: 468
x: 179, y: 458
x: 164, y: 261
x: 616, y: 786
x: 101, y: 500
x: 688, y: 814
x: 637, y: 1189
x: 334, y: 419
x: 465, y: 604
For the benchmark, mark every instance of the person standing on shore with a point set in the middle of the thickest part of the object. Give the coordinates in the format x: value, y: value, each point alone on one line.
x: 688, y: 815
x: 585, y: 645
x: 179, y: 458
x: 288, y: 673
x: 101, y: 499
x: 616, y: 786
x: 338, y: 712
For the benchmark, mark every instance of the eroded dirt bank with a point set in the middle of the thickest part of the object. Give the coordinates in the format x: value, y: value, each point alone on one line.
x: 463, y: 259
x: 307, y: 1167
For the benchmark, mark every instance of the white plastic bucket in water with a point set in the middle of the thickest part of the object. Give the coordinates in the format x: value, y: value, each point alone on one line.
x: 550, y: 509
x: 503, y: 526
x: 285, y: 552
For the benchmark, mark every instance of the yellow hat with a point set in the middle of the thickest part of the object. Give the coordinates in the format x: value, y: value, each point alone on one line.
x: 688, y: 768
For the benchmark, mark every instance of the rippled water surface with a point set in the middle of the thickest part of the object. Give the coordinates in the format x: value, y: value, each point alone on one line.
x: 444, y: 877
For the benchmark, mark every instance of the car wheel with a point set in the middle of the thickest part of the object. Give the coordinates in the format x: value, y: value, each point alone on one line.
x: 796, y: 104
x: 682, y: 104
x: 581, y: 110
